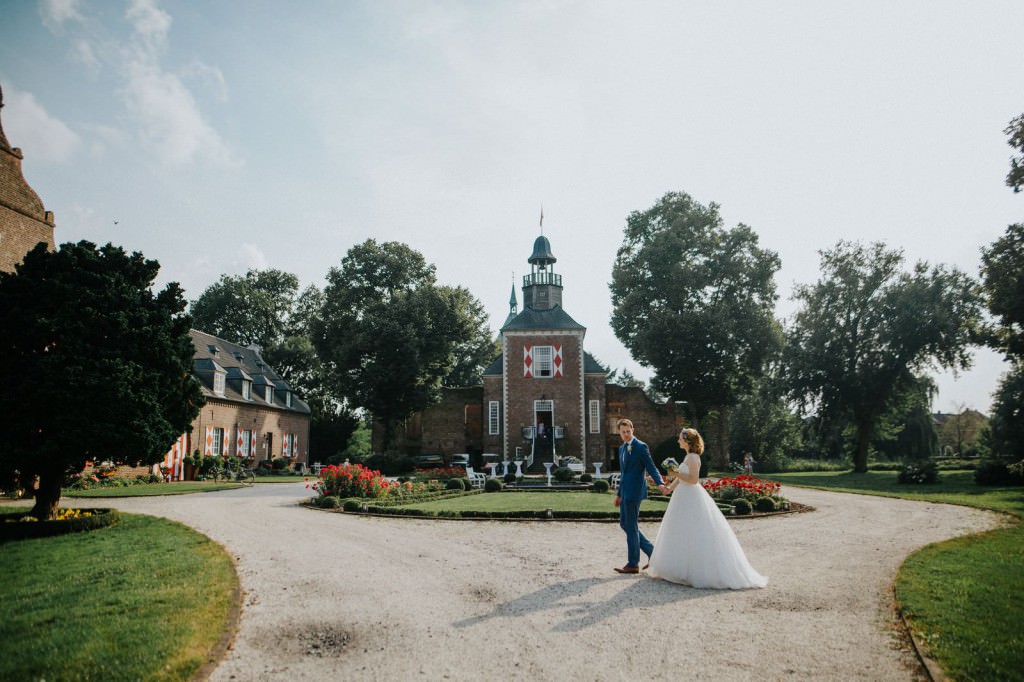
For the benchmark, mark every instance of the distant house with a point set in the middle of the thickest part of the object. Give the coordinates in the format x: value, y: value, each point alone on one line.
x: 250, y: 411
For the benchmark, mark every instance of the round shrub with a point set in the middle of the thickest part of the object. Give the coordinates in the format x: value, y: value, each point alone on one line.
x: 492, y: 485
x: 764, y: 504
x: 454, y: 484
x: 586, y: 478
x: 995, y: 472
x: 351, y: 505
x: 600, y: 486
x: 328, y: 502
x: 510, y: 478
x: 279, y: 464
x: 923, y: 471
x: 728, y: 493
x: 563, y: 474
x: 742, y: 506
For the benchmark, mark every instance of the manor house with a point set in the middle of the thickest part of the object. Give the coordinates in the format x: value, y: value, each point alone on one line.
x: 544, y: 398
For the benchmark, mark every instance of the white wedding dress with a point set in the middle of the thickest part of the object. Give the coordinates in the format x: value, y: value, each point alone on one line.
x: 695, y: 545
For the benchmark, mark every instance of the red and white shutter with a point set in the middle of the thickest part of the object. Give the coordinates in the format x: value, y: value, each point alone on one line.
x: 208, y: 451
x: 285, y: 451
x: 239, y: 443
x: 528, y: 361
x: 557, y: 361
x: 252, y: 445
x: 295, y: 444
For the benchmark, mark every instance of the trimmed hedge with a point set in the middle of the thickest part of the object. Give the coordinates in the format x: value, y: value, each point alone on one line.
x: 13, y: 528
x: 600, y: 486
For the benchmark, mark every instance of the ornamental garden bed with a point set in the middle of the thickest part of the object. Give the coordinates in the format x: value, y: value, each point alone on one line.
x: 19, y: 525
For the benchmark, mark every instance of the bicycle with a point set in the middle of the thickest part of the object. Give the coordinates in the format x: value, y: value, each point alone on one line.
x: 246, y: 477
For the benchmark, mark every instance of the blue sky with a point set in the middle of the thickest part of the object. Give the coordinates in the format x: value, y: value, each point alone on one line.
x: 220, y: 136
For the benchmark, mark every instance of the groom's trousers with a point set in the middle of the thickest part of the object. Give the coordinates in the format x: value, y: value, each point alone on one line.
x: 629, y: 521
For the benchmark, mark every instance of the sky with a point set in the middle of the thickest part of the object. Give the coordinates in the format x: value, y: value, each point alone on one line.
x: 216, y: 137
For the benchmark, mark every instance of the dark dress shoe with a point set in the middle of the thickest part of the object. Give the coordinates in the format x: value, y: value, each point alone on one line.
x: 646, y: 566
x: 627, y: 569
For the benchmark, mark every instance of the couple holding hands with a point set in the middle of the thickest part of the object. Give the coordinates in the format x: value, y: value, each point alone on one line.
x: 695, y: 545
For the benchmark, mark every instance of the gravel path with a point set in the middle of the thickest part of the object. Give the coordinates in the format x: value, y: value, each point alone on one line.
x: 355, y: 598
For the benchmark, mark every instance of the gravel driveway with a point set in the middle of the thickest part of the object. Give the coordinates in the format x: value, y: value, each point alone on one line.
x: 356, y: 598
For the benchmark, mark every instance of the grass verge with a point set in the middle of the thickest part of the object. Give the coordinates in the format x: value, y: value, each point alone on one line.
x: 964, y: 598
x: 148, y: 489
x: 145, y: 599
x: 520, y: 502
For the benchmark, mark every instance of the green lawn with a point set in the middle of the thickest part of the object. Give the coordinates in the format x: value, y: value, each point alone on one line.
x: 147, y: 489
x: 963, y: 597
x: 515, y: 502
x: 145, y: 599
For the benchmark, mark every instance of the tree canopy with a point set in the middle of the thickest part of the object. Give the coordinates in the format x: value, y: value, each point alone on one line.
x: 255, y: 309
x: 694, y: 301
x: 867, y: 327
x: 1015, y: 178
x: 390, y: 335
x: 94, y: 365
x: 1002, y: 273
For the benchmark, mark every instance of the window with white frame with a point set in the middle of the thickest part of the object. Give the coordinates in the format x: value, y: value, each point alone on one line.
x: 246, y: 446
x: 288, y: 398
x: 218, y: 383
x: 218, y: 442
x: 493, y: 418
x: 543, y: 361
x: 247, y: 389
x: 595, y: 416
x: 269, y: 394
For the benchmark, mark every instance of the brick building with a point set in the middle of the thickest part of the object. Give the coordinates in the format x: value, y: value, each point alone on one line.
x: 544, y: 397
x: 23, y: 220
x: 250, y: 411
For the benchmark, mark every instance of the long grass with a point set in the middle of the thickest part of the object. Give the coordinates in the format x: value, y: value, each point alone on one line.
x: 964, y: 598
x: 145, y: 599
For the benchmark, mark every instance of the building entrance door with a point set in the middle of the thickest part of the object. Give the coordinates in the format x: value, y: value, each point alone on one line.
x: 543, y: 420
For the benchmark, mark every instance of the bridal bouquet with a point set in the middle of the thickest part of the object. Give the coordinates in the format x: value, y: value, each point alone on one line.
x: 669, y: 464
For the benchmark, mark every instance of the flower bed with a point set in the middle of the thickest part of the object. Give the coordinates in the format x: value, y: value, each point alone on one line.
x: 355, y: 480
x: 21, y: 526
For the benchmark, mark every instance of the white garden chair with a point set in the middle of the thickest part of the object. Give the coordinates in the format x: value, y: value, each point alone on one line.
x: 477, y: 479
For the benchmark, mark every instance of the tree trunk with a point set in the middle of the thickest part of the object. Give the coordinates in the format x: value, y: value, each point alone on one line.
x: 860, y: 457
x: 47, y: 496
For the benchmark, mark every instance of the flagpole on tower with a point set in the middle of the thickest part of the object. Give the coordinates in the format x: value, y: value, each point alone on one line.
x: 542, y: 219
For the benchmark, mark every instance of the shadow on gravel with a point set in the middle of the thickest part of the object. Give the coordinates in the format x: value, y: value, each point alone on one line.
x: 569, y: 600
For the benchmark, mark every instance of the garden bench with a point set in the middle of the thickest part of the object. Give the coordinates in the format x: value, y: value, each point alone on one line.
x: 477, y: 479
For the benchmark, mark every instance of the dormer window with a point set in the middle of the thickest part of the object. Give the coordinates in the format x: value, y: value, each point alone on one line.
x: 218, y: 383
x: 288, y: 398
x: 246, y: 390
x: 269, y: 394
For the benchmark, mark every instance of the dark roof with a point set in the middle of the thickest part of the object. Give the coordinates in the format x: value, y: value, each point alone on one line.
x: 531, y: 319
x: 238, y: 363
x: 590, y: 366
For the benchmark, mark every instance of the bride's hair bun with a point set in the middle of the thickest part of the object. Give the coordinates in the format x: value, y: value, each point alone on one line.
x: 693, y: 440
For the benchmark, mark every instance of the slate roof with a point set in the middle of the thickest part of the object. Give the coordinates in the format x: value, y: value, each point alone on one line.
x: 214, y: 354
x: 536, y: 320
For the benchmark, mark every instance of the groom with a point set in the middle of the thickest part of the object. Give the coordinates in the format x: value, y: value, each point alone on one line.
x: 634, y: 462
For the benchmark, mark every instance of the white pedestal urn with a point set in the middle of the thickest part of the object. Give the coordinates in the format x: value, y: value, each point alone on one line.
x: 519, y: 469
x: 493, y: 466
x: 505, y: 464
x: 597, y: 468
x: 547, y: 468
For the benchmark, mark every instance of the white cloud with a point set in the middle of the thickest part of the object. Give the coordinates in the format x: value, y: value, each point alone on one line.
x: 171, y: 124
x: 151, y: 23
x: 251, y: 257
x: 210, y: 76
x: 57, y: 12
x: 83, y: 52
x: 29, y: 126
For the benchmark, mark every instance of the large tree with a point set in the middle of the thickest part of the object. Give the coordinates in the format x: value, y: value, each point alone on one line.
x: 694, y: 301
x: 867, y: 327
x: 1002, y: 276
x: 94, y: 365
x: 390, y: 335
x: 254, y: 309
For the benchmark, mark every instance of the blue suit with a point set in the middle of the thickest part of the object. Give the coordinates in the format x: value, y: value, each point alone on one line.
x: 634, y: 463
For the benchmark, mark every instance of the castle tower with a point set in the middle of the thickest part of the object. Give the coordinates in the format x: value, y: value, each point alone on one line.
x: 24, y: 222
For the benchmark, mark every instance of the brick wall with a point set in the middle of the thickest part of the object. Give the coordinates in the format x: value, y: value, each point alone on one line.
x: 652, y: 422
x: 23, y: 220
x: 262, y: 421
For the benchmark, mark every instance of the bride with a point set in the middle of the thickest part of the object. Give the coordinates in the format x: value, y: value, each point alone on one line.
x: 695, y: 545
